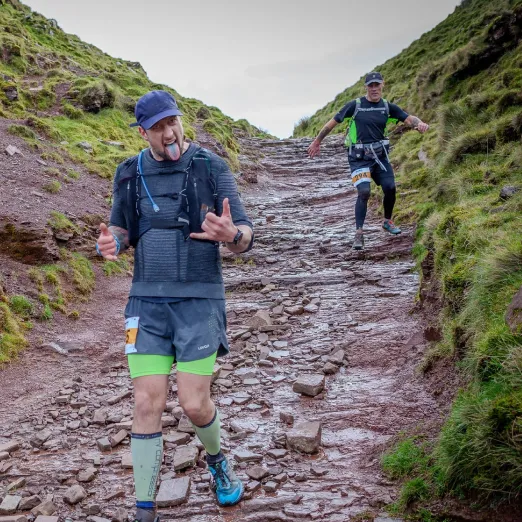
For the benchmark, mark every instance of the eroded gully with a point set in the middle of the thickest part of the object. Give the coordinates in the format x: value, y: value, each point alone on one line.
x: 331, y: 310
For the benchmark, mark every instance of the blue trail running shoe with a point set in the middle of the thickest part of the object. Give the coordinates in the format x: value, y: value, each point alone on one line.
x: 227, y: 487
x: 390, y: 226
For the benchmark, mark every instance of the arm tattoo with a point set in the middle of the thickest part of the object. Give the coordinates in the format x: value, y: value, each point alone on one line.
x: 122, y: 235
x: 414, y: 121
x: 324, y: 132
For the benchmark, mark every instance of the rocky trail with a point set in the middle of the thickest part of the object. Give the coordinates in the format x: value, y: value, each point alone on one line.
x: 320, y: 378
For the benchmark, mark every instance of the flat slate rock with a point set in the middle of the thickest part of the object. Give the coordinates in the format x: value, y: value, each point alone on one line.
x: 9, y: 504
x: 177, y: 438
x: 277, y: 453
x: 173, y: 492
x: 243, y: 425
x: 248, y: 456
x: 10, y: 446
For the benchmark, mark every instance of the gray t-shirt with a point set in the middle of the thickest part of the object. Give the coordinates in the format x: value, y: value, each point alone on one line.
x: 165, y: 264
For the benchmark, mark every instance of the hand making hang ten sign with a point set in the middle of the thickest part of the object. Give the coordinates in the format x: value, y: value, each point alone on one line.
x: 222, y: 228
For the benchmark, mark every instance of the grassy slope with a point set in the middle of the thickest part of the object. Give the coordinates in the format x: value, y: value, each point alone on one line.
x: 69, y: 92
x: 61, y: 78
x: 465, y: 77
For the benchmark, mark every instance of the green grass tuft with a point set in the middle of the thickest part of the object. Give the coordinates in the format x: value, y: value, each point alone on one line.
x: 405, y: 458
x: 21, y: 305
x: 22, y: 131
x: 53, y: 187
x: 83, y: 274
x: 62, y: 223
x: 12, y: 340
x: 121, y: 266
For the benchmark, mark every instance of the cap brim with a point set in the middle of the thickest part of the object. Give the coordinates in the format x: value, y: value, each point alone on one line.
x: 147, y: 124
x: 373, y: 81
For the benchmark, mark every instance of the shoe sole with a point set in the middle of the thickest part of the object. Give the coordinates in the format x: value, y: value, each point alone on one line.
x: 358, y: 248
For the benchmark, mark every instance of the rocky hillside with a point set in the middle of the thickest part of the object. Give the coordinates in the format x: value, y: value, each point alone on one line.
x: 461, y: 185
x: 65, y: 109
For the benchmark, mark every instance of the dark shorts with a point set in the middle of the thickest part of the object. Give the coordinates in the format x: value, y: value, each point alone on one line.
x: 189, y: 330
x: 358, y: 167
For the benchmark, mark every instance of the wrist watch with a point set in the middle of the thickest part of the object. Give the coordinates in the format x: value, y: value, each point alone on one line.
x: 237, y: 237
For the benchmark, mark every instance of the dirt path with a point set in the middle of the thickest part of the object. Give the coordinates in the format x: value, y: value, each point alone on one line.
x: 358, y: 303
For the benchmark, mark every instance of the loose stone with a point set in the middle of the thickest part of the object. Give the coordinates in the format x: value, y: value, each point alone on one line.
x: 309, y: 384
x: 185, y: 457
x: 305, y: 437
x: 74, y: 494
x: 248, y: 456
x: 271, y: 486
x: 118, y: 438
x: 104, y: 444
x: 257, y: 473
x: 45, y: 508
x: 185, y: 425
x: 10, y: 504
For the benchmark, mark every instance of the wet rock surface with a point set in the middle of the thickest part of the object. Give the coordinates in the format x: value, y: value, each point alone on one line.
x: 301, y: 303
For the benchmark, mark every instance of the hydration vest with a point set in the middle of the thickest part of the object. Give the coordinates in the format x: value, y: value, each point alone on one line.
x: 351, y: 133
x: 198, y: 196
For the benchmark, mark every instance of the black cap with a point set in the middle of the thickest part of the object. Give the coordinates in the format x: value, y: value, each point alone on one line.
x: 373, y: 77
x: 154, y: 106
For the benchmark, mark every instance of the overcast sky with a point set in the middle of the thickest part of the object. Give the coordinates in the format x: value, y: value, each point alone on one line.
x: 269, y: 61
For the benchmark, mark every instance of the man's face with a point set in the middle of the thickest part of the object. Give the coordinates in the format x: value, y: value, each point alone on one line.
x: 374, y: 91
x: 165, y: 138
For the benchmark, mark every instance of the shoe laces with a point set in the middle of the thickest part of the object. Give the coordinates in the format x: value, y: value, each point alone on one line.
x: 221, y: 476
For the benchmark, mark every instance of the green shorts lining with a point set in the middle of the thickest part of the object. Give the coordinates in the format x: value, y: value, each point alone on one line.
x: 149, y: 364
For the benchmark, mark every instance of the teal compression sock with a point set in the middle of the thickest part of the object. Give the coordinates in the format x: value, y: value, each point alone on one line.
x: 210, y: 435
x: 147, y: 456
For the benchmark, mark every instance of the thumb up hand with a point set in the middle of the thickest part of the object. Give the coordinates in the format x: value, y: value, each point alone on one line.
x: 106, y: 243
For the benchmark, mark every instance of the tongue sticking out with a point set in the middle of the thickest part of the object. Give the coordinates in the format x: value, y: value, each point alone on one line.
x: 173, y: 151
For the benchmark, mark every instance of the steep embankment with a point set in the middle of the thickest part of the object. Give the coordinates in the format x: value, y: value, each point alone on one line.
x: 461, y: 184
x: 65, y: 107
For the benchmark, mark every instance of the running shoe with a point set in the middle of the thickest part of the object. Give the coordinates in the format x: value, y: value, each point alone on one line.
x: 390, y: 227
x: 225, y: 484
x: 358, y: 241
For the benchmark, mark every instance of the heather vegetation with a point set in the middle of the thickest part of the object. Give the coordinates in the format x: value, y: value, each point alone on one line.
x: 461, y: 183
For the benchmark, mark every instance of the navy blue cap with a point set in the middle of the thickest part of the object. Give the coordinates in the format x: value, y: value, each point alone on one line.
x: 153, y: 107
x: 373, y: 77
